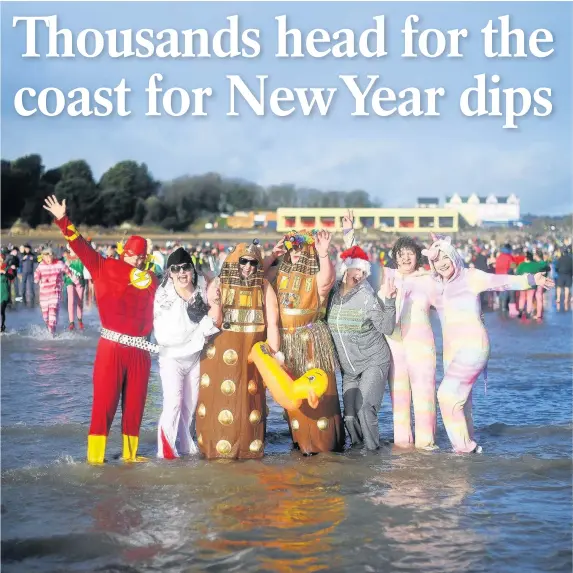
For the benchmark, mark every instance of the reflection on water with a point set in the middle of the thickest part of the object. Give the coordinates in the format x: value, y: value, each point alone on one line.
x: 433, y: 496
x: 393, y: 510
x: 289, y: 513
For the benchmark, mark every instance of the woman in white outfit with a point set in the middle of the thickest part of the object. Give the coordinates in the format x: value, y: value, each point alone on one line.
x: 182, y: 321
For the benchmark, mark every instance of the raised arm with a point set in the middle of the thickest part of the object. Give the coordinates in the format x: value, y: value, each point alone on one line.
x: 87, y: 254
x: 270, y: 266
x: 272, y: 317
x: 482, y: 282
x: 327, y: 273
x: 348, y: 229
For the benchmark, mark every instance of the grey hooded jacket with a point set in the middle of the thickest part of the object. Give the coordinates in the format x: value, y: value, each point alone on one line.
x: 358, y: 322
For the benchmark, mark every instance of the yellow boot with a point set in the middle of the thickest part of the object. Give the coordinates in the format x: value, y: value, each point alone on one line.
x: 96, y: 449
x: 130, y: 444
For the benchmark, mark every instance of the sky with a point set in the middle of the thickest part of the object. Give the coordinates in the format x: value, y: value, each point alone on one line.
x: 396, y: 159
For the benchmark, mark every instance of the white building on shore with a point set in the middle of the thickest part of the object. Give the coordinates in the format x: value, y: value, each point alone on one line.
x: 490, y: 210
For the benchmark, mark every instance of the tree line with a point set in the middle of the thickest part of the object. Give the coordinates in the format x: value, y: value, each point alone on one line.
x: 128, y: 192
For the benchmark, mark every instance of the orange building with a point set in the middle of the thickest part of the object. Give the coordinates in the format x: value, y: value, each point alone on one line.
x: 252, y: 220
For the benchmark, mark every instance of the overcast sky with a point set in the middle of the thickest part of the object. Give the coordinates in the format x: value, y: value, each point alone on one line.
x: 395, y: 159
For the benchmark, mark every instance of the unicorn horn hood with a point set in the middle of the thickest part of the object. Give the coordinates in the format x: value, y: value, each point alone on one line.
x: 444, y: 244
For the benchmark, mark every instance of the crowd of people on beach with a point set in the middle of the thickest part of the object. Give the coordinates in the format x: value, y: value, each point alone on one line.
x: 208, y: 306
x: 551, y: 255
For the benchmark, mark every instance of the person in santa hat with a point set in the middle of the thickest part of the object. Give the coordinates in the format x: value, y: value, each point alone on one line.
x: 359, y: 321
x: 125, y: 295
x: 412, y: 377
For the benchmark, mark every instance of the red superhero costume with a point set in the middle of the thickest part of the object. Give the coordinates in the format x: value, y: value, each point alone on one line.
x: 125, y: 297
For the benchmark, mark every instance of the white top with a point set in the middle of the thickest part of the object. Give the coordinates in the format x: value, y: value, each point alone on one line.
x: 176, y: 334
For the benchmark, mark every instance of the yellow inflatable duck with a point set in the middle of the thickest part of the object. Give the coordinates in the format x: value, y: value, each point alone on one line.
x: 287, y: 392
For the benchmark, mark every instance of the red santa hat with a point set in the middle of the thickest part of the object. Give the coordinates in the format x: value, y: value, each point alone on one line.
x: 355, y: 258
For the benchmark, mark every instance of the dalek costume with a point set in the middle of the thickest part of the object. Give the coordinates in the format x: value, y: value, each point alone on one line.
x: 306, y: 343
x: 231, y: 414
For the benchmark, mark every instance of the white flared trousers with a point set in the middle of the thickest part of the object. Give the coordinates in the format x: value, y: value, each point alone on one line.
x: 180, y: 382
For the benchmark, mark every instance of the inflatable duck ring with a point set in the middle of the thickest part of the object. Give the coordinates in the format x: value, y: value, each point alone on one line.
x: 287, y: 392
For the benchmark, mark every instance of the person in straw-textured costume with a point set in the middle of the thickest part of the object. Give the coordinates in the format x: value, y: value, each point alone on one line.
x: 303, y: 281
x: 231, y: 411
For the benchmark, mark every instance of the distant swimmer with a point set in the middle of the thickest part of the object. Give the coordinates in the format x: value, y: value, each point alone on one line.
x: 6, y: 276
x: 50, y: 275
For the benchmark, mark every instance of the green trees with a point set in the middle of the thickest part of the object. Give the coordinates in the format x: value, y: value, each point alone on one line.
x: 25, y: 184
x: 78, y: 187
x: 128, y: 192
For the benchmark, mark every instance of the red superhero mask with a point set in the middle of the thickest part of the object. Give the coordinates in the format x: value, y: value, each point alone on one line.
x: 135, y: 245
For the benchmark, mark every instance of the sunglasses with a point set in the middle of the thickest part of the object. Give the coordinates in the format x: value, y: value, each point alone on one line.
x: 253, y: 263
x: 176, y: 269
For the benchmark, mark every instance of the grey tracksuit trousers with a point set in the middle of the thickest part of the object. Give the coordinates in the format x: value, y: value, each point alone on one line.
x: 362, y: 395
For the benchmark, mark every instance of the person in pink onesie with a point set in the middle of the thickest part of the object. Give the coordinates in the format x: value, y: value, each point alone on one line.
x: 412, y: 374
x: 466, y: 344
x: 49, y: 275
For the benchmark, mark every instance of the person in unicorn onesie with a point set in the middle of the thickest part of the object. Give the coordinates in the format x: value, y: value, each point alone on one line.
x: 412, y: 374
x: 466, y: 343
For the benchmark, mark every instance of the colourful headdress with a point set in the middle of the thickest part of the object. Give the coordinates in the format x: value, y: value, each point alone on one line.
x: 303, y: 242
x: 294, y: 239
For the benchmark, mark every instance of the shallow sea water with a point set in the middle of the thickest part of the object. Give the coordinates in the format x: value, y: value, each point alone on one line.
x: 508, y: 509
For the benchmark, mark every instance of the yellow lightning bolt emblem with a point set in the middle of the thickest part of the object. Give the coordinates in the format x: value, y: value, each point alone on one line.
x: 140, y: 279
x: 75, y: 234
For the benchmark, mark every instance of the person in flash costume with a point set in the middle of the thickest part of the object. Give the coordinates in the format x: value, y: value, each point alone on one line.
x: 125, y: 297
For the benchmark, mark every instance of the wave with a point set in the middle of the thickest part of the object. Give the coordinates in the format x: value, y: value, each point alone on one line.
x: 551, y: 356
x: 36, y: 332
x: 501, y: 429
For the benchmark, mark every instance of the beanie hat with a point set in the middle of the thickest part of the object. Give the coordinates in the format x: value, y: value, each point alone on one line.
x: 355, y: 258
x: 179, y: 257
x: 136, y: 245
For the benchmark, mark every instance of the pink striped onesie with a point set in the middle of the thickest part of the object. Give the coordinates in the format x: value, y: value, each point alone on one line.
x: 466, y: 343
x: 50, y: 278
x: 413, y: 371
x: 412, y: 374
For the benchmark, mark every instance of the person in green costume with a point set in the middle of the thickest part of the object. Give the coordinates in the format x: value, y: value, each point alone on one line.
x: 75, y: 292
x: 533, y: 264
x: 6, y: 277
